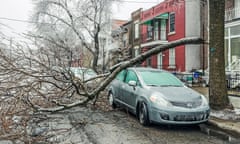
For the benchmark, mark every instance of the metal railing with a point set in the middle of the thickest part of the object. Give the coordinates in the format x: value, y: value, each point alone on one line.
x: 153, y: 36
x: 233, y: 81
x: 197, y: 79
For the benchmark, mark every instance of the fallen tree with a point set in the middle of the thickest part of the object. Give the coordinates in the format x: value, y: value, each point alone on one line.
x: 93, y: 95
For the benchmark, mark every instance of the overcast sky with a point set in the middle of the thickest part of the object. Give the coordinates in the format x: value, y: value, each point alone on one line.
x: 11, y: 10
x: 15, y: 9
x: 124, y: 9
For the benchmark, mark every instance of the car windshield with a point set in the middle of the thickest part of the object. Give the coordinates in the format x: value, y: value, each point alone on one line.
x: 157, y: 78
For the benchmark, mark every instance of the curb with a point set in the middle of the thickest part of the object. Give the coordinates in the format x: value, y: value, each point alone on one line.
x: 213, y: 129
x: 217, y: 133
x: 223, y: 126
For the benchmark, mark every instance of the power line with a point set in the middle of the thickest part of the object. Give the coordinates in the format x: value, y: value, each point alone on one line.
x: 18, y: 20
x: 23, y: 21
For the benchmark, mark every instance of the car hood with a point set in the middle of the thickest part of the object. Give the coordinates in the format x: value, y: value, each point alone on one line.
x: 176, y: 94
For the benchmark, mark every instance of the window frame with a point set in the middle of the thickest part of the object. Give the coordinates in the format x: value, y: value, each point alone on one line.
x: 172, y: 57
x: 136, y: 29
x: 123, y: 73
x: 150, y: 29
x: 172, y: 23
x: 128, y: 73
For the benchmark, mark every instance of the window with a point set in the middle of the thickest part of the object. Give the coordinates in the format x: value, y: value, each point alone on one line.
x: 124, y: 43
x: 159, y: 78
x: 172, y: 22
x: 136, y: 28
x: 172, y: 57
x: 131, y: 76
x: 235, y: 51
x: 121, y: 75
x: 149, y: 31
x: 149, y: 62
x: 136, y: 52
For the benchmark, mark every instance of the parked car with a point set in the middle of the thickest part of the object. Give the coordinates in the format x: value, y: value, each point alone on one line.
x: 157, y: 96
x: 83, y: 73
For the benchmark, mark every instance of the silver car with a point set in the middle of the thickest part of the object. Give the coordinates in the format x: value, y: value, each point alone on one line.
x: 157, y: 96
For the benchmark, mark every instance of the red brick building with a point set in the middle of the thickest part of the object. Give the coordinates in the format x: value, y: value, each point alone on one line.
x: 169, y: 21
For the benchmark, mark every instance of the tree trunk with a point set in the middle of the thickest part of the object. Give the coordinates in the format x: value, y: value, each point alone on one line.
x: 96, y: 54
x: 218, y: 90
x: 97, y: 47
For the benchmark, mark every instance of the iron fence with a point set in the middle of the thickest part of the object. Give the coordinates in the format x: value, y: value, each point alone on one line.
x: 197, y: 79
x: 233, y: 81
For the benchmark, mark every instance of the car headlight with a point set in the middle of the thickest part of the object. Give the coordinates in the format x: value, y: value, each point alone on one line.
x: 160, y: 101
x: 204, y: 101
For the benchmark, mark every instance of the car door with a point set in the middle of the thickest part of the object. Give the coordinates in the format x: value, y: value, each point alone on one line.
x: 130, y: 92
x: 118, y: 85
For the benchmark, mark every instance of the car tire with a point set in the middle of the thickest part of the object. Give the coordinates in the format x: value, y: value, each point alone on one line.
x: 143, y: 114
x: 111, y: 100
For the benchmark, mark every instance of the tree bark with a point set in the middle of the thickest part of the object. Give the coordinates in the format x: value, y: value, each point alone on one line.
x: 217, y: 78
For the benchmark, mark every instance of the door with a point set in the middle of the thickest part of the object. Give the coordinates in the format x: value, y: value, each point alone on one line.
x: 130, y: 92
x: 118, y: 85
x: 156, y: 31
x: 160, y: 61
x: 163, y: 29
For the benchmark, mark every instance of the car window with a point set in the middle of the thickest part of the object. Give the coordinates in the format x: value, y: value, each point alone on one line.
x: 157, y: 78
x: 121, y: 75
x: 131, y: 75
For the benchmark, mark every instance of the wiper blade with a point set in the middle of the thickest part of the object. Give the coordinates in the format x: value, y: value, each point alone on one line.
x: 165, y: 85
x: 153, y: 85
x: 170, y: 85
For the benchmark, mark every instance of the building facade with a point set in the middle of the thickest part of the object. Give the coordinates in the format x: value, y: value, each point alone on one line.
x: 173, y: 20
x: 135, y: 39
x: 232, y: 35
x: 120, y: 43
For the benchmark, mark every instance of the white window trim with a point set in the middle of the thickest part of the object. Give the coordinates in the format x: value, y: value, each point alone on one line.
x: 136, y: 25
x: 172, y: 57
x: 172, y: 32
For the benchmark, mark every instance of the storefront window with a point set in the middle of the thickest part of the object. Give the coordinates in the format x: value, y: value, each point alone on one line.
x: 235, y: 30
x: 235, y: 49
x: 232, y: 47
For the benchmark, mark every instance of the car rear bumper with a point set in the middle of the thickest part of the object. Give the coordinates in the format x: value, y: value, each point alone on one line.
x: 194, y: 116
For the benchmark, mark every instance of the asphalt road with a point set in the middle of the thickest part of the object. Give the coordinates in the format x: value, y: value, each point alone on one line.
x: 85, y: 126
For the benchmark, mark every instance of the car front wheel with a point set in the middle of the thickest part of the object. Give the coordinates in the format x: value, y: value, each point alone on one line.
x: 143, y: 114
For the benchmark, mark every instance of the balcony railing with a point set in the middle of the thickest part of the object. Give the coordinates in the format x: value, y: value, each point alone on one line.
x: 231, y: 14
x: 160, y: 35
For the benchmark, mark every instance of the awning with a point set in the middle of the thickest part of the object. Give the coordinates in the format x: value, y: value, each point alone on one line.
x: 161, y: 16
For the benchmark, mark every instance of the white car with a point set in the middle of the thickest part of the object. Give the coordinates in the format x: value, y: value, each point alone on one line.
x: 83, y: 73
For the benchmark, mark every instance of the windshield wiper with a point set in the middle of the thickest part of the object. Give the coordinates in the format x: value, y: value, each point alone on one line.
x: 170, y: 85
x: 153, y: 85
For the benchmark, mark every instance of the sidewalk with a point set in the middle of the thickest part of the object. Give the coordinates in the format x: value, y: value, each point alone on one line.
x: 227, y: 121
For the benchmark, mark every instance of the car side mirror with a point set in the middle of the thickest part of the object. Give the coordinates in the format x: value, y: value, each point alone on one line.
x: 132, y: 83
